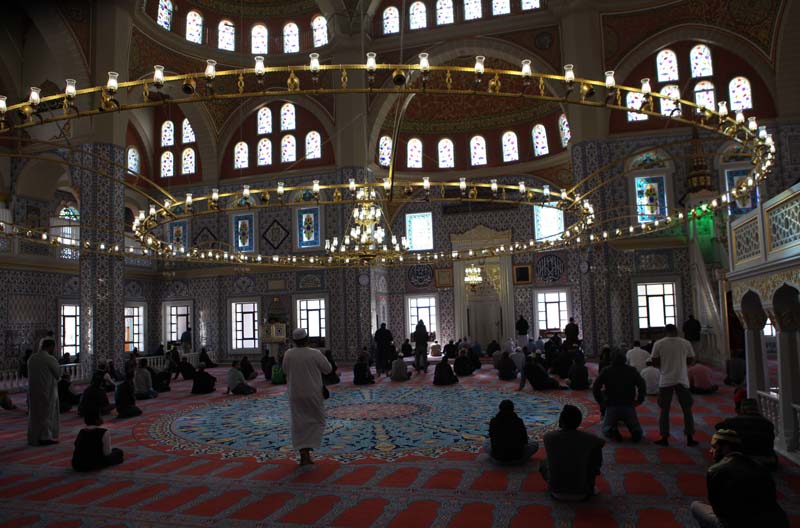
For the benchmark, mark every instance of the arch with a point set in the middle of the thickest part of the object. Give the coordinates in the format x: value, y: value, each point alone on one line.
x: 187, y: 132
x: 634, y: 101
x: 188, y: 161
x: 754, y: 317
x: 414, y: 153
x: 786, y: 308
x: 563, y: 130
x: 740, y: 94
x: 446, y: 153
x: 288, y: 120
x: 417, y: 16
x: 444, y: 12
x: 291, y: 38
x: 226, y: 35
x: 477, y: 151
x: 319, y: 31
x: 241, y: 155
x: 384, y: 151
x: 705, y: 95
x: 167, y: 165
x: 133, y: 160
x: 288, y: 149
x: 167, y: 133
x: 264, y: 121
x: 473, y: 9
x: 650, y: 173
x: 313, y: 145
x: 391, y: 20
x: 510, y: 147
x: 259, y: 39
x: 264, y: 152
x: 194, y: 27
x: 667, y: 65
x: 700, y: 61
x: 501, y: 7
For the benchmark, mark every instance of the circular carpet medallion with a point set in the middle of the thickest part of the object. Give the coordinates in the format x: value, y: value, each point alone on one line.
x: 384, y: 423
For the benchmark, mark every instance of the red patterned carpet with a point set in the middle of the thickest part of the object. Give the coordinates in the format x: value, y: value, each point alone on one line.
x: 174, y: 485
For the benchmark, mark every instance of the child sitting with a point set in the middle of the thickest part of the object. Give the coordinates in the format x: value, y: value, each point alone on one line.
x: 93, y: 446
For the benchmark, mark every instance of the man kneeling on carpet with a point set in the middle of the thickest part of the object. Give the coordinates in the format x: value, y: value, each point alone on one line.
x: 508, y: 439
x: 203, y: 382
x: 93, y: 446
x: 236, y: 381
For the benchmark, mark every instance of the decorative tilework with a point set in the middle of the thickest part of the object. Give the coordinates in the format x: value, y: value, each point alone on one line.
x: 746, y: 244
x: 783, y: 224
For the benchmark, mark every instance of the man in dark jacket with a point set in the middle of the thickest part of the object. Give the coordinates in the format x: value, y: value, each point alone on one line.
x: 125, y: 398
x: 443, y: 373
x: 579, y: 375
x: 692, y: 329
x: 383, y: 341
x: 522, y: 326
x: 571, y: 332
x: 741, y: 491
x: 756, y: 433
x: 619, y: 389
x: 463, y: 365
x: 508, y: 439
x: 450, y: 350
x: 536, y: 375
x: 203, y: 382
x: 66, y: 398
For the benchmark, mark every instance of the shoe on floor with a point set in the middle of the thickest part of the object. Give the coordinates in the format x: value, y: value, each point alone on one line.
x: 663, y: 441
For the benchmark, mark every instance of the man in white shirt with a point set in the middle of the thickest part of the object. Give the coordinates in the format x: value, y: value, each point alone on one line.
x: 673, y: 355
x: 637, y: 357
x: 651, y: 377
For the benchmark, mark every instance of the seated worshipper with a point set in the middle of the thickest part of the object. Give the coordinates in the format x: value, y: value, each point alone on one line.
x: 400, y: 370
x: 563, y: 362
x: 125, y: 398
x: 578, y: 378
x: 450, y: 350
x: 463, y: 365
x: 108, y: 383
x: 637, y: 356
x: 518, y: 357
x: 551, y: 349
x: 267, y: 361
x: 174, y: 360
x: 143, y: 382
x: 539, y: 344
x: 66, y: 398
x: 361, y: 371
x: 436, y: 349
x: 573, y: 458
x: 160, y: 350
x: 756, y: 433
x: 740, y: 490
x: 93, y: 446
x: 204, y: 358
x: 619, y: 389
x: 5, y: 401
x: 160, y: 380
x: 536, y: 375
x: 492, y: 347
x: 66, y: 359
x: 278, y: 377
x: 651, y: 377
x: 497, y: 356
x: 508, y: 439
x: 700, y: 379
x: 506, y: 370
x: 247, y: 369
x: 332, y: 378
x: 112, y: 371
x: 406, y: 349
x: 443, y: 373
x: 474, y: 355
x: 236, y: 382
x: 203, y: 382
x: 187, y: 370
x: 94, y: 398
x: 605, y: 358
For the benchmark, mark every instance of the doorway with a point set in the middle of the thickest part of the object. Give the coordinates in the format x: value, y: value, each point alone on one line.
x: 484, y: 310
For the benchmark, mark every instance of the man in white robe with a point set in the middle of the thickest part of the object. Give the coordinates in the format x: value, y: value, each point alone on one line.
x: 43, y: 408
x: 304, y: 368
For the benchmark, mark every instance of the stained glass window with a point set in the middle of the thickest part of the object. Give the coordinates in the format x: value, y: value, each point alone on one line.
x: 164, y: 18
x: 744, y: 201
x: 531, y: 4
x: 414, y: 155
x: 226, y: 35
x: 472, y: 9
x: 510, y: 147
x: 194, y: 27
x: 313, y: 145
x: 187, y: 131
x: 651, y: 198
x: 391, y: 21
x: 385, y: 151
x: 133, y: 160
x: 501, y: 7
x: 288, y: 149
x: 264, y: 121
x: 667, y: 65
x: 259, y: 39
x: 540, y: 147
x: 564, y: 130
x: 477, y: 149
x: 548, y: 222
x: 444, y: 12
x: 670, y: 106
x: 741, y: 96
x: 167, y: 134
x: 291, y: 38
x: 287, y: 117
x: 634, y: 101
x: 264, y: 152
x: 446, y: 159
x: 704, y: 95
x: 417, y: 16
x: 700, y: 58
x: 187, y: 161
x: 319, y: 28
x: 240, y: 156
x: 167, y: 165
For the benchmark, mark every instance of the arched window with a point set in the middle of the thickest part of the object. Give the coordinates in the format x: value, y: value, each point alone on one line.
x: 741, y: 96
x: 240, y: 156
x: 564, y: 130
x: 704, y: 95
x: 194, y: 27
x: 446, y: 158
x: 510, y: 147
x: 259, y: 39
x: 226, y: 35
x: 133, y: 160
x: 264, y: 152
x: 167, y: 165
x: 477, y: 150
x: 540, y: 147
x: 187, y: 131
x: 319, y: 28
x: 444, y: 12
x: 527, y: 5
x: 288, y: 149
x: 313, y: 145
x: 667, y: 65
x: 384, y: 151
x: 670, y: 107
x: 414, y: 154
x: 700, y: 58
x: 391, y: 20
x: 67, y: 227
x: 472, y: 9
x: 650, y: 174
x: 501, y: 7
x: 291, y: 38
x: 417, y: 16
x: 287, y: 117
x: 187, y: 161
x: 167, y: 134
x: 164, y: 18
x: 264, y: 119
x: 634, y: 101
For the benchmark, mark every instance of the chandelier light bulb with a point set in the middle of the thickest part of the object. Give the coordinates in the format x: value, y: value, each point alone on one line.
x: 112, y: 83
x: 314, y: 62
x: 371, y: 64
x: 493, y: 184
x: 188, y: 199
x: 739, y: 117
x: 546, y: 191
x: 214, y: 195
x: 762, y: 132
x: 526, y: 68
x: 646, y: 89
x: 315, y: 186
x: 522, y: 187
x: 259, y: 67
x: 158, y: 75
x: 141, y: 215
x: 569, y: 73
x: 34, y: 97
x: 479, y: 69
x: 462, y: 184
x: 752, y: 125
x: 610, y: 81
x: 563, y: 194
x: 211, y: 69
x: 167, y: 203
x: 387, y: 184
x: 152, y: 210
x: 246, y: 192
x: 70, y: 89
x: 3, y: 106
x: 424, y: 65
x: 722, y: 108
x: 352, y: 184
x: 426, y: 183
x: 280, y: 189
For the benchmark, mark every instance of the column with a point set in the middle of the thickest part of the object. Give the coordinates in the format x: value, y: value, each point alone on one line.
x: 756, y: 361
x: 788, y: 376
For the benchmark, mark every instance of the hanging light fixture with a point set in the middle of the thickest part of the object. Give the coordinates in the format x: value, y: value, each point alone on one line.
x: 473, y: 276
